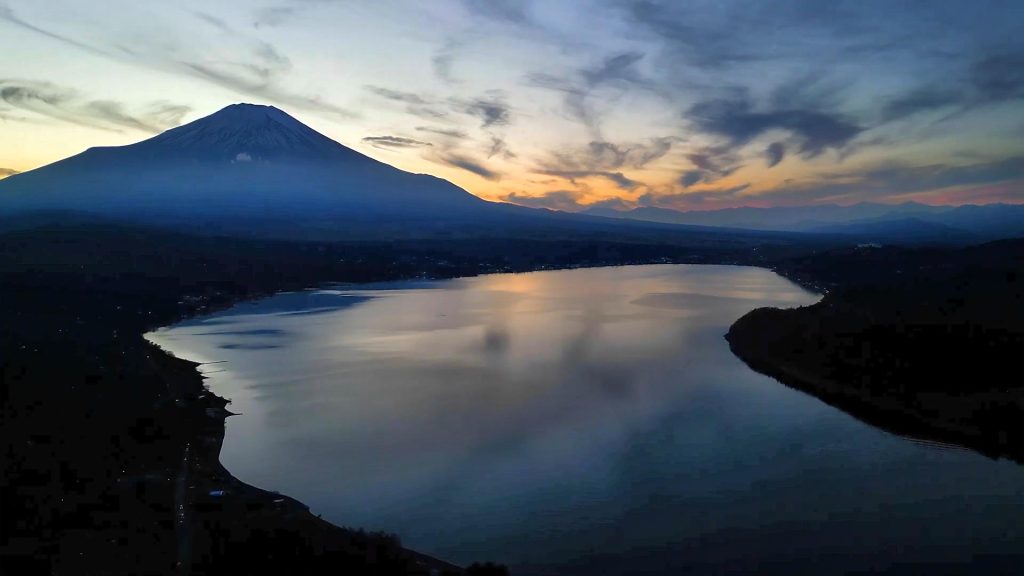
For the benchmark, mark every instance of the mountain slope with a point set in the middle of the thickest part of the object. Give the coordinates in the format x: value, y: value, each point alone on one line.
x: 244, y: 161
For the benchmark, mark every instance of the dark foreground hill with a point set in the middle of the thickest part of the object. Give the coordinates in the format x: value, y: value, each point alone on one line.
x: 925, y: 342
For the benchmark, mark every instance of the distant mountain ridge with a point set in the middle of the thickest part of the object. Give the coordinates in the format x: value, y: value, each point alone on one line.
x: 799, y: 218
x: 909, y: 221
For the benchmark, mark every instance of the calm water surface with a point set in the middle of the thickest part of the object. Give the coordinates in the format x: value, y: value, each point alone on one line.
x: 581, y: 422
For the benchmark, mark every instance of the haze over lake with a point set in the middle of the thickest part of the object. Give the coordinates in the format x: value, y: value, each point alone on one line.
x: 581, y: 421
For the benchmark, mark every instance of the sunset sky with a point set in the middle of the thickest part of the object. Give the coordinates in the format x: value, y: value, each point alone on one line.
x: 562, y: 104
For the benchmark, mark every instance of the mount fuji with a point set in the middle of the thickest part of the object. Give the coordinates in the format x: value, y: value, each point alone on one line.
x: 243, y: 163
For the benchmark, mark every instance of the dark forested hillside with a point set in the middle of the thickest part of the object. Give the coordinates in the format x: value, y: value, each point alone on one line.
x: 924, y: 342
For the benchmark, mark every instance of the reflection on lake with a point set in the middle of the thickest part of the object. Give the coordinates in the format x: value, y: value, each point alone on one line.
x: 584, y: 421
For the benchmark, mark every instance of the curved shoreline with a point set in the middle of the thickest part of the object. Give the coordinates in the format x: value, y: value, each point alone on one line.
x: 789, y: 346
x: 207, y: 354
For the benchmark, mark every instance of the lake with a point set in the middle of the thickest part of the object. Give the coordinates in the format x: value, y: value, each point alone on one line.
x: 587, y: 421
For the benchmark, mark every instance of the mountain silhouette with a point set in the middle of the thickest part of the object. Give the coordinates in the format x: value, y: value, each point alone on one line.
x: 243, y: 162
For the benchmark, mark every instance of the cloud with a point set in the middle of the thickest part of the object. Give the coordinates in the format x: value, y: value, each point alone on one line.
x: 992, y: 79
x: 272, y: 16
x: 617, y: 178
x: 413, y: 103
x: 8, y: 15
x: 68, y: 105
x: 398, y: 95
x: 696, y: 42
x: 442, y: 62
x: 619, y: 67
x: 469, y: 165
x: 5, y: 172
x: 710, y: 164
x: 678, y: 200
x: 718, y: 37
x: 260, y: 77
x: 514, y: 12
x: 212, y: 21
x: 384, y: 142
x: 257, y: 73
x: 919, y: 100
x: 618, y: 70
x: 492, y: 111
x: 691, y: 177
x: 600, y: 159
x: 499, y: 146
x: 774, y: 154
x: 447, y: 132
x: 606, y: 156
x: 610, y: 204
x: 895, y: 180
x: 739, y: 122
x: 999, y: 77
x: 566, y: 200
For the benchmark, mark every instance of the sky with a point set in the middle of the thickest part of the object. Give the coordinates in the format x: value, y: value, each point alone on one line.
x: 565, y: 104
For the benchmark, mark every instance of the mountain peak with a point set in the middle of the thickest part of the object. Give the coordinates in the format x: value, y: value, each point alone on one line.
x: 247, y: 133
x: 248, y: 113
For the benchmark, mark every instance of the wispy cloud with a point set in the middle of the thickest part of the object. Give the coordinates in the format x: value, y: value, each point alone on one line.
x: 896, y: 179
x: 515, y: 12
x: 618, y: 71
x: 617, y: 178
x: 447, y: 132
x: 492, y: 110
x: 468, y: 164
x: 603, y: 156
x: 774, y: 153
x: 258, y: 72
x: 5, y: 172
x: 499, y: 147
x: 420, y: 105
x: 68, y: 105
x: 443, y: 61
x: 739, y: 121
x: 8, y: 15
x: 710, y: 197
x: 385, y: 142
x: 566, y: 200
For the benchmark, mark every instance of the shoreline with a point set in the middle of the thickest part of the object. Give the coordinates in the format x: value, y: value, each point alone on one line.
x: 891, y: 352
x: 210, y: 412
x: 215, y: 406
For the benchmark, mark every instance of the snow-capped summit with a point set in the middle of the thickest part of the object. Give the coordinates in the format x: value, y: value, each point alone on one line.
x: 244, y: 162
x: 247, y: 133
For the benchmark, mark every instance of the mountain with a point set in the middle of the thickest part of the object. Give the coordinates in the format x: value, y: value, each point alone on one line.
x: 784, y: 218
x: 245, y: 161
x: 900, y: 231
x: 909, y: 222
